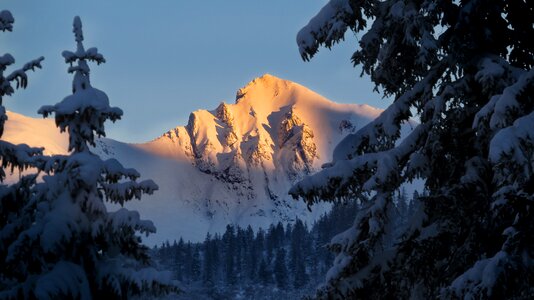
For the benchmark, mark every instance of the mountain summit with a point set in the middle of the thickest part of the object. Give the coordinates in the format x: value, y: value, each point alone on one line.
x: 233, y: 164
x: 275, y: 123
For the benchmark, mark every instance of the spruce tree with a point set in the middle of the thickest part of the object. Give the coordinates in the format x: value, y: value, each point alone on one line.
x: 187, y: 263
x: 195, y: 264
x: 279, y: 235
x: 16, y: 209
x: 208, y: 272
x: 241, y: 248
x: 178, y: 259
x: 280, y: 269
x: 20, y: 78
x: 270, y: 242
x: 229, y: 240
x: 14, y: 157
x: 465, y: 69
x: 212, y: 260
x: 298, y: 254
x: 74, y: 247
x: 252, y: 255
x: 264, y: 275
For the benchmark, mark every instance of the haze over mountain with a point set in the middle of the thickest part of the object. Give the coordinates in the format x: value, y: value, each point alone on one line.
x: 233, y: 164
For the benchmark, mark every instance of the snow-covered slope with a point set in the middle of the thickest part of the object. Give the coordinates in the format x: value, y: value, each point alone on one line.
x: 233, y: 164
x: 20, y: 129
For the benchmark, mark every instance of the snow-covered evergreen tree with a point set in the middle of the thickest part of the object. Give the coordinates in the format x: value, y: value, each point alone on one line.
x: 14, y: 197
x: 465, y: 68
x: 13, y: 156
x: 74, y: 247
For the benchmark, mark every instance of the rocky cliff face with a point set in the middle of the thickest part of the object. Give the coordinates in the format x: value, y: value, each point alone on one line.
x: 262, y: 132
x: 228, y: 151
x: 296, y: 141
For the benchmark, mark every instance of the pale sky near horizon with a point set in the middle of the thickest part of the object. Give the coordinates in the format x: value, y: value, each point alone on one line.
x: 168, y: 58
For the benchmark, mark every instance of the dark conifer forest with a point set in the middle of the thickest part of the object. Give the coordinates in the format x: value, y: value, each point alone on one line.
x: 279, y: 261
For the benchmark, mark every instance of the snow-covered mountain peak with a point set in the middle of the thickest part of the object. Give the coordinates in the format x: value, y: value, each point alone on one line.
x: 247, y: 155
x: 267, y: 84
x: 269, y: 92
x: 232, y: 164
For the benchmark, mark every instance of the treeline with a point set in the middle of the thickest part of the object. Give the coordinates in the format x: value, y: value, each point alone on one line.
x: 284, y: 257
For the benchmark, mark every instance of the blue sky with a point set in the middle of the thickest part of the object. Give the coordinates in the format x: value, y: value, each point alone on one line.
x: 167, y: 58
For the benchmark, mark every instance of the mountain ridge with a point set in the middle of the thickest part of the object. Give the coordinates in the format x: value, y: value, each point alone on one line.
x: 232, y: 164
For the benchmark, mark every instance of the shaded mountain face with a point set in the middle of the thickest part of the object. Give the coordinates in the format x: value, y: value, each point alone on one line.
x: 233, y: 164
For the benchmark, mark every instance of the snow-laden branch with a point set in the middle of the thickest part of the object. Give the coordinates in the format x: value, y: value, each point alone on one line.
x: 19, y: 157
x: 20, y: 77
x: 382, y: 132
x: 125, y: 191
x: 115, y: 273
x: 124, y: 218
x: 330, y: 24
x: 501, y: 108
x: 369, y: 156
x: 115, y: 171
x: 66, y: 278
x: 6, y: 20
